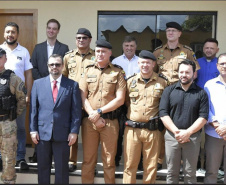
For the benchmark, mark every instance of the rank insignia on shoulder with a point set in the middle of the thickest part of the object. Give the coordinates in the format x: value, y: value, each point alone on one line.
x: 163, y: 76
x: 158, y: 48
x: 117, y: 66
x: 185, y: 46
x: 69, y: 52
x: 90, y: 65
x: 131, y: 76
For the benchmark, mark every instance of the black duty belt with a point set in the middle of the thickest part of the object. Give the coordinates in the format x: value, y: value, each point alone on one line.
x: 150, y: 125
x: 110, y: 115
x: 4, y: 117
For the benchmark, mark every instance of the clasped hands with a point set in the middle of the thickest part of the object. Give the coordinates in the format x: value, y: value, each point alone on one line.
x: 95, y: 118
x: 182, y: 136
x: 221, y: 131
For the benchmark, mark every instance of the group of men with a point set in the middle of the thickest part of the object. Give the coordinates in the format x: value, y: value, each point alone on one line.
x: 84, y: 87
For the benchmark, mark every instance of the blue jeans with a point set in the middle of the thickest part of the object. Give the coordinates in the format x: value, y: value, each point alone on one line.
x: 21, y: 136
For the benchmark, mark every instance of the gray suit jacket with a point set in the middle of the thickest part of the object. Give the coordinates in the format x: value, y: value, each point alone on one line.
x: 39, y: 58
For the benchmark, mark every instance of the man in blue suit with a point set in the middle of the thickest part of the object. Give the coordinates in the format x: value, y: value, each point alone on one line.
x: 55, y: 117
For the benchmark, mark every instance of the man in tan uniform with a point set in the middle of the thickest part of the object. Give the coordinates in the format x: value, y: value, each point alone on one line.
x: 75, y: 62
x: 103, y: 91
x: 12, y: 104
x: 168, y: 58
x: 142, y: 131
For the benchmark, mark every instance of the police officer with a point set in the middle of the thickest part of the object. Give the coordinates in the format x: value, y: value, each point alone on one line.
x: 103, y: 91
x: 142, y: 131
x: 168, y: 58
x: 12, y: 103
x: 75, y: 62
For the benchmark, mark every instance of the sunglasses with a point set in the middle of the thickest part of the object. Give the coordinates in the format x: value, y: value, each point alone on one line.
x: 57, y: 65
x: 83, y: 38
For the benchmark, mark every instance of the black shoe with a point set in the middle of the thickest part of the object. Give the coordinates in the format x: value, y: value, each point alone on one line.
x: 0, y: 164
x: 159, y: 166
x: 33, y: 159
x: 72, y: 167
x: 22, y: 164
x: 95, y: 171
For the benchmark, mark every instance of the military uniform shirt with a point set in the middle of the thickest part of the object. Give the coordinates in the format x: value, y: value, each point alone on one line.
x: 17, y: 87
x: 142, y: 99
x: 75, y: 64
x: 102, y: 85
x: 168, y: 62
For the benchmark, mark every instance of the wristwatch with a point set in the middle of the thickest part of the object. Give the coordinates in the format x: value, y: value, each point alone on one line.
x: 99, y: 111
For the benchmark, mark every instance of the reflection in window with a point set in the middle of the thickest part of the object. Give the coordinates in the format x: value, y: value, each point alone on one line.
x: 149, y: 28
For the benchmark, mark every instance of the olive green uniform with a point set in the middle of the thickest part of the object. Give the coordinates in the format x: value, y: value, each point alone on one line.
x: 8, y: 130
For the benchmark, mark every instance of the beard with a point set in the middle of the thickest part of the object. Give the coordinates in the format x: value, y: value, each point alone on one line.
x: 11, y: 43
x: 186, y: 82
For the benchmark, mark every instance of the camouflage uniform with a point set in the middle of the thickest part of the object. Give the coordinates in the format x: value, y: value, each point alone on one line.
x: 8, y: 128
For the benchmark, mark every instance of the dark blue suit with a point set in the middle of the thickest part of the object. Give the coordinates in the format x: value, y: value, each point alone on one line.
x: 54, y: 122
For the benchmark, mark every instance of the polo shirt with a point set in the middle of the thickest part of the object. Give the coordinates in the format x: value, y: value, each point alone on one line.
x: 184, y: 107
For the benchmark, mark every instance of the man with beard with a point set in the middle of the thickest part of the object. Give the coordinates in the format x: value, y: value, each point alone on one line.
x: 184, y: 111
x: 208, y: 63
x: 18, y: 60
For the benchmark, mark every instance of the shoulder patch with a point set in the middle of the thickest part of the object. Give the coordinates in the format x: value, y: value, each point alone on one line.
x: 131, y: 76
x: 187, y: 47
x: 117, y: 66
x: 165, y: 78
x: 69, y: 52
x: 90, y: 65
x: 158, y: 48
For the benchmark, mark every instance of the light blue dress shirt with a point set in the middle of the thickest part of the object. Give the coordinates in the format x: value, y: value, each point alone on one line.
x: 216, y: 91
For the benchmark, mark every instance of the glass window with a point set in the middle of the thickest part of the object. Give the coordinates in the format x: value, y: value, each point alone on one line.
x: 149, y: 28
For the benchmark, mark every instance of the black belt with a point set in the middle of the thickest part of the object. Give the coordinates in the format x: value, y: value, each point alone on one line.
x: 150, y: 125
x: 4, y: 117
x: 110, y: 115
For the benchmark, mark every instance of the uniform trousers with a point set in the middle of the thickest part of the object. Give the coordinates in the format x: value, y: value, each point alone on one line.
x: 215, y: 149
x: 162, y: 147
x: 8, y: 146
x: 188, y: 152
x: 91, y: 137
x: 138, y: 140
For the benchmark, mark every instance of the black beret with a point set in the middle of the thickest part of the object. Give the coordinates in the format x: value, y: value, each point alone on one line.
x: 103, y: 44
x: 2, y: 52
x: 147, y: 55
x: 173, y: 25
x: 85, y: 32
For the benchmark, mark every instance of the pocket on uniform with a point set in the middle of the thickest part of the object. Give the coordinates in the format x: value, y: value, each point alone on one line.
x: 92, y: 83
x: 71, y: 69
x: 110, y: 83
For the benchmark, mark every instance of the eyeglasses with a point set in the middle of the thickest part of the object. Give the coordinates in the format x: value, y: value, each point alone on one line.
x: 83, y: 38
x: 56, y: 65
x: 222, y: 64
x: 173, y: 31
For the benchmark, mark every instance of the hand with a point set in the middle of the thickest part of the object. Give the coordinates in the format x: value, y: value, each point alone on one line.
x: 221, y: 130
x: 224, y: 137
x: 72, y: 137
x: 94, y: 116
x: 182, y: 136
x: 27, y: 100
x: 100, y: 123
x: 35, y: 138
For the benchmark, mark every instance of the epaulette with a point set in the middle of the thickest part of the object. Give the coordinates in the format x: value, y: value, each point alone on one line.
x: 187, y: 47
x: 164, y: 77
x: 90, y: 65
x: 131, y: 76
x: 117, y: 66
x: 69, y: 52
x: 158, y: 48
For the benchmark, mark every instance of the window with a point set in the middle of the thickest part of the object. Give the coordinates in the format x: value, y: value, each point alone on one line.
x: 149, y: 28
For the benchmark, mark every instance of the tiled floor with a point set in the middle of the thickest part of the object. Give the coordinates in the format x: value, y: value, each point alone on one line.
x: 30, y: 176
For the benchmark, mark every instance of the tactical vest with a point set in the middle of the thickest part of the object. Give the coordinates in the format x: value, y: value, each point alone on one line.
x: 7, y: 99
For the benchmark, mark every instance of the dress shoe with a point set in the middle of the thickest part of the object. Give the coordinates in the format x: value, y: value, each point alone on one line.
x: 22, y: 164
x: 72, y: 167
x: 159, y: 166
x: 33, y: 159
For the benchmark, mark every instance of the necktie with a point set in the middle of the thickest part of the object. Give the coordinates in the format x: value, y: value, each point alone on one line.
x: 55, y: 91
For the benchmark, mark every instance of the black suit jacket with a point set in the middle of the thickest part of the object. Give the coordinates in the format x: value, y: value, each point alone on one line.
x: 39, y: 58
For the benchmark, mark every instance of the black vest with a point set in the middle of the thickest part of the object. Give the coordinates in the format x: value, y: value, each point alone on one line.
x: 7, y: 99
